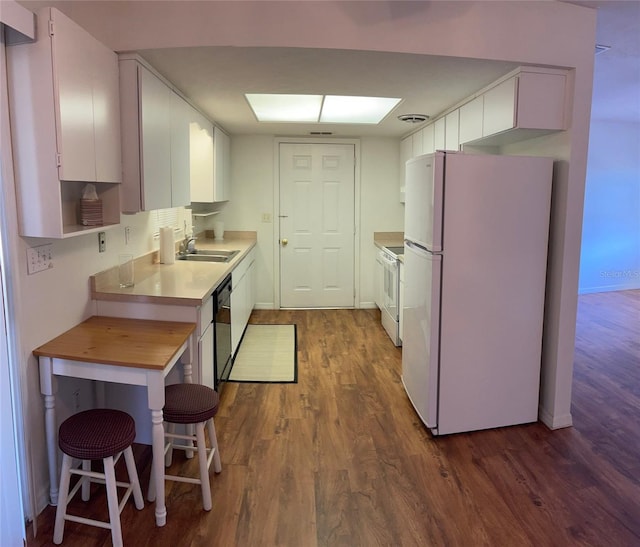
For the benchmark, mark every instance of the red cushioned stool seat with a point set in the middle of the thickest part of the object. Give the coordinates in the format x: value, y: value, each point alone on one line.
x: 189, y: 403
x: 96, y: 434
x: 99, y: 434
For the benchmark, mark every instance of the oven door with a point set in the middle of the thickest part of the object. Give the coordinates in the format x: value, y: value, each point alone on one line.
x: 390, y: 286
x: 390, y: 312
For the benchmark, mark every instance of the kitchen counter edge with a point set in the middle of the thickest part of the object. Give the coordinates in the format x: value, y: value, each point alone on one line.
x: 181, y: 283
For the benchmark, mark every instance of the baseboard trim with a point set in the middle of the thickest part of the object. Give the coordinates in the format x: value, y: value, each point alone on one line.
x: 555, y: 422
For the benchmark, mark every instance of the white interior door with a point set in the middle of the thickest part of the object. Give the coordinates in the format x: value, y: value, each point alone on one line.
x: 317, y: 221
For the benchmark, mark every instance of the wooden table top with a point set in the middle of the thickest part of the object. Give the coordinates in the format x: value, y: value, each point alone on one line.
x: 136, y: 343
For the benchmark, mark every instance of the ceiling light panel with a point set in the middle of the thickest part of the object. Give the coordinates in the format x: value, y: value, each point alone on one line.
x: 284, y: 107
x: 365, y: 110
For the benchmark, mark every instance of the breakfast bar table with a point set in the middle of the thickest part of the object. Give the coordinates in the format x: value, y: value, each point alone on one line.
x: 126, y: 351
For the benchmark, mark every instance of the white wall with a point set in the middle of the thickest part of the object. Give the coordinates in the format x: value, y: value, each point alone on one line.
x: 611, y: 235
x: 252, y: 195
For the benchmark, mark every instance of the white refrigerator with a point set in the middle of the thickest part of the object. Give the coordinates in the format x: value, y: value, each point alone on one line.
x: 476, y: 237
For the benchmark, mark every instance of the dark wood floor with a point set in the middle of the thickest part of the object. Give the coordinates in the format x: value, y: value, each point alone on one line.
x: 341, y: 458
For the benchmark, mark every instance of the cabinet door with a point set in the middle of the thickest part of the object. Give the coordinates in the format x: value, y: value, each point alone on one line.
x: 226, y: 171
x: 206, y: 356
x: 201, y: 158
x: 221, y: 165
x: 471, y: 115
x: 180, y: 161
x: 106, y: 114
x: 155, y: 106
x: 379, y: 282
x: 417, y: 144
x: 541, y: 101
x: 500, y: 107
x: 73, y: 87
x: 439, y: 129
x: 451, y: 132
x: 428, y: 139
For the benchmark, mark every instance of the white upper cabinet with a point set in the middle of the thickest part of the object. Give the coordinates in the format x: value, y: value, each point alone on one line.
x: 210, y: 162
x: 180, y: 156
x: 451, y: 141
x: 428, y: 139
x: 64, y: 104
x: 222, y: 165
x: 155, y: 140
x: 201, y: 159
x: 439, y: 142
x: 471, y: 118
x: 500, y: 108
x: 531, y: 102
x: 155, y: 136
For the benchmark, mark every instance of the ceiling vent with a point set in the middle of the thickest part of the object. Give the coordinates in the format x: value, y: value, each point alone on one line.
x: 324, y: 133
x: 413, y: 118
x: 601, y: 49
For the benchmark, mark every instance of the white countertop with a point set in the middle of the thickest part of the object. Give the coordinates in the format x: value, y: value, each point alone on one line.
x: 181, y: 283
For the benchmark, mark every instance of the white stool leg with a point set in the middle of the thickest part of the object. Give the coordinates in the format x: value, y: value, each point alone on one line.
x: 86, y: 481
x: 204, y: 468
x: 133, y: 478
x: 112, y: 498
x: 168, y: 457
x: 61, y: 511
x: 151, y: 492
x: 217, y: 465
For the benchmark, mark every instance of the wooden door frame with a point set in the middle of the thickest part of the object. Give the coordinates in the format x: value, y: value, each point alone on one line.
x: 276, y: 210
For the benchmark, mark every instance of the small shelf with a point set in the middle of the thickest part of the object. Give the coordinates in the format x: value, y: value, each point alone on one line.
x: 211, y: 213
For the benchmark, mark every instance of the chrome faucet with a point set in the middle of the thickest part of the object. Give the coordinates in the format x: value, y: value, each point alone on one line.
x: 188, y: 245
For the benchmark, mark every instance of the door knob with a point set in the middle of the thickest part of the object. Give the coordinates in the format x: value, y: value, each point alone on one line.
x: 284, y: 242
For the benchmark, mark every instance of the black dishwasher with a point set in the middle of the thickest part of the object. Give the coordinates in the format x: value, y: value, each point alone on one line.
x: 222, y: 325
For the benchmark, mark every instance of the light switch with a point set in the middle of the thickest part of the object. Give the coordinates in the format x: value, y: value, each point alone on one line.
x: 266, y: 217
x: 39, y: 258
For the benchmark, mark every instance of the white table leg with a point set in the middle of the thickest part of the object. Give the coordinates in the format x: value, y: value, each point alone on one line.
x: 48, y: 388
x: 155, y: 393
x: 187, y: 370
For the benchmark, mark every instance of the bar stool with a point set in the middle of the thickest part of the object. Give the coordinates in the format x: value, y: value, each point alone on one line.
x: 192, y: 405
x: 99, y: 434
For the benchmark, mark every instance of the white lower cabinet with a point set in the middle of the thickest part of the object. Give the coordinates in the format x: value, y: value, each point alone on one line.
x: 242, y: 298
x: 379, y: 281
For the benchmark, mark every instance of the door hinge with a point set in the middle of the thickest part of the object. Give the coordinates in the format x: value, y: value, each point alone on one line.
x: 58, y: 160
x: 51, y: 28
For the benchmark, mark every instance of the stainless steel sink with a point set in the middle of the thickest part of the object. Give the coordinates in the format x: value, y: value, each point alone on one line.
x: 203, y: 255
x: 208, y: 252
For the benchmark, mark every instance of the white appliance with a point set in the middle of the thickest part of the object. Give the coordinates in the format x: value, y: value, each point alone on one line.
x: 390, y: 292
x: 476, y: 236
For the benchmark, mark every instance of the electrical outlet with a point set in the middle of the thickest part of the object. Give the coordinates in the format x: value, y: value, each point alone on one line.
x: 266, y: 217
x: 39, y: 258
x: 102, y: 242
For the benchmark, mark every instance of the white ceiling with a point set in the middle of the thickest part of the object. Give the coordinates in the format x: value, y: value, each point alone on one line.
x: 216, y: 78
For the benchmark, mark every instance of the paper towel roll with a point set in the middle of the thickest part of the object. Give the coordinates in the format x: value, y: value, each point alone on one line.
x: 167, y: 245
